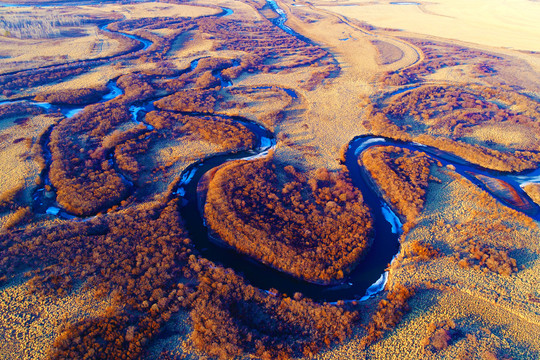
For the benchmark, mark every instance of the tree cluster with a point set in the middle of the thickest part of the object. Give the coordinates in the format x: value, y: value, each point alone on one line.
x: 486, y: 258
x: 136, y: 87
x: 270, y: 47
x: 402, y: 175
x: 141, y: 258
x: 316, y: 229
x: 153, y: 23
x: 231, y: 318
x: 30, y: 78
x: 126, y: 155
x: 223, y: 131
x: 190, y: 100
x: 388, y: 315
x: 440, y: 335
x: 85, y: 179
x: 82, y: 96
x: 20, y: 215
x: 419, y: 251
x: 18, y: 109
x: 136, y: 257
x: 9, y: 200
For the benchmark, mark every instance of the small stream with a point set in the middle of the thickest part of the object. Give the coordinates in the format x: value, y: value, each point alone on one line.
x: 282, y: 19
x: 45, y: 195
x: 369, y: 276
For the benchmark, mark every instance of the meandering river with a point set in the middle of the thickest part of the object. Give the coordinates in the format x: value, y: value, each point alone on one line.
x: 369, y: 276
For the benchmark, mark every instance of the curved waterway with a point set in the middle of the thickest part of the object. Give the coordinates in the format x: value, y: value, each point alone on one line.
x: 45, y: 195
x: 282, y: 19
x: 369, y: 276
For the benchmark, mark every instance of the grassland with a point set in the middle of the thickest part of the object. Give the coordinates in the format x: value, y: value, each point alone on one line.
x: 129, y: 280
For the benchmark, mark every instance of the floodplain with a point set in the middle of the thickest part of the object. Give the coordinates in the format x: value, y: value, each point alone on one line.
x: 269, y: 179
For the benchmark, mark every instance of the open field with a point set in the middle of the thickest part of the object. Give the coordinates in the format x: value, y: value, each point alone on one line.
x: 480, y: 22
x: 84, y: 41
x: 148, y: 171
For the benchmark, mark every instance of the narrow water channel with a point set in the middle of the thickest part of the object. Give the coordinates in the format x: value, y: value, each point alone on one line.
x: 368, y: 276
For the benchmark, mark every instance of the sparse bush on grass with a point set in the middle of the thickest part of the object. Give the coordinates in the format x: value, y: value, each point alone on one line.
x: 18, y: 217
x: 420, y: 251
x: 438, y: 56
x: 9, y: 198
x: 485, y: 258
x: 440, y: 335
x: 389, y: 313
x: 444, y: 117
x: 82, y: 96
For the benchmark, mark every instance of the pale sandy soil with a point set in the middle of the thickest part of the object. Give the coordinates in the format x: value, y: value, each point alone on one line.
x: 497, y: 26
x: 339, y: 27
x: 498, y: 23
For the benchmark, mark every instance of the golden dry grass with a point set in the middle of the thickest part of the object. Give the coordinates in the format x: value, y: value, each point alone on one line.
x: 479, y: 22
x: 509, y: 135
x: 388, y: 53
x: 495, y: 313
x: 533, y: 190
x: 29, y: 323
x: 15, y: 166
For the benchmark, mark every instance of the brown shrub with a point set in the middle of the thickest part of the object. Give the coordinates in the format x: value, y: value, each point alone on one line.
x: 18, y: 217
x: 402, y: 175
x: 440, y: 335
x: 316, y: 229
x: 486, y: 258
x: 389, y: 313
